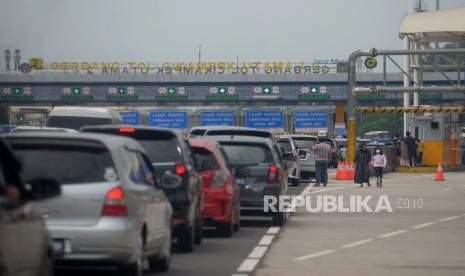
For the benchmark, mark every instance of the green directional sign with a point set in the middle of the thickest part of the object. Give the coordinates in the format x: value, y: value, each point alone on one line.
x: 266, y: 90
x: 370, y: 97
x: 222, y: 90
x: 17, y: 90
x: 314, y: 97
x: 76, y: 91
x: 314, y: 89
x: 430, y: 96
x: 122, y: 90
x: 171, y: 91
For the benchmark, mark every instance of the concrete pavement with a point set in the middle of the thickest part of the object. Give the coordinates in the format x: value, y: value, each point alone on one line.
x: 409, y: 241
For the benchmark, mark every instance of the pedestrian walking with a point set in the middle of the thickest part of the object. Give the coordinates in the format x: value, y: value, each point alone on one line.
x: 322, y: 153
x: 411, y: 149
x: 421, y: 149
x: 362, y: 165
x: 379, y: 162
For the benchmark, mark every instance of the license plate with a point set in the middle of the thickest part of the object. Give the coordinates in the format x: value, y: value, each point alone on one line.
x: 58, y: 248
x: 240, y: 181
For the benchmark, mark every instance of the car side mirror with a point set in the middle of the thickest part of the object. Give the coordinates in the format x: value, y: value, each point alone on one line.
x: 42, y: 188
x: 288, y: 156
x: 170, y: 181
x: 302, y: 153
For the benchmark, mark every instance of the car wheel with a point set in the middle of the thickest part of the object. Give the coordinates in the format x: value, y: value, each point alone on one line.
x: 226, y: 229
x: 295, y: 182
x: 199, y: 232
x: 162, y: 264
x: 186, y: 239
x: 136, y: 268
x: 237, y: 225
x: 279, y: 218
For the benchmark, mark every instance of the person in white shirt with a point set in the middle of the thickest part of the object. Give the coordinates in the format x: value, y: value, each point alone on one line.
x: 379, y: 162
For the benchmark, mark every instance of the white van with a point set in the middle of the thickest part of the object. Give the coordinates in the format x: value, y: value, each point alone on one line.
x: 75, y: 117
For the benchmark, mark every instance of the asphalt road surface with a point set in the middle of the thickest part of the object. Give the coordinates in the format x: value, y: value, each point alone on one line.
x: 215, y: 256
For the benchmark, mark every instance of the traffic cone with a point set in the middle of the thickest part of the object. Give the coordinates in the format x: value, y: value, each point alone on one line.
x: 339, y: 171
x: 345, y: 173
x: 440, y: 173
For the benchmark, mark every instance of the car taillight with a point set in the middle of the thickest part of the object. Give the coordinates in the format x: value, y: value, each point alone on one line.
x: 127, y: 130
x: 180, y: 169
x: 115, y: 205
x: 273, y: 176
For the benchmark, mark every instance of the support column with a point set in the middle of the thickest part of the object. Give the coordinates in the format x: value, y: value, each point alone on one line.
x: 406, y: 80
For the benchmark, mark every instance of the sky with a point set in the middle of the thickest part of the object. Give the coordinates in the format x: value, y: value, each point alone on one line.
x: 171, y: 30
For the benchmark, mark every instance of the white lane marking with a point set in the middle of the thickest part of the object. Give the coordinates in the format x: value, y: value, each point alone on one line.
x: 387, y: 235
x: 258, y: 252
x: 446, y: 189
x: 447, y: 219
x: 357, y: 243
x: 248, y: 265
x: 325, y: 190
x: 422, y: 225
x: 273, y: 230
x: 266, y: 240
x: 239, y: 275
x: 306, y: 257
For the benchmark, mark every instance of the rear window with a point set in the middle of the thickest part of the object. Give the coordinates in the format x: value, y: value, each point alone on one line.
x: 76, y: 122
x: 221, y: 132
x: 248, y: 154
x: 202, y: 156
x: 304, y: 142
x: 66, y: 164
x: 286, y: 144
x: 197, y: 132
x: 160, y: 146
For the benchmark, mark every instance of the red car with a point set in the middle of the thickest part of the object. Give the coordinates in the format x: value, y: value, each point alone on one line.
x: 221, y: 192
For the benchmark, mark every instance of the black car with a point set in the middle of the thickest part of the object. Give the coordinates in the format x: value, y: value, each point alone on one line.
x: 22, y: 227
x: 169, y: 151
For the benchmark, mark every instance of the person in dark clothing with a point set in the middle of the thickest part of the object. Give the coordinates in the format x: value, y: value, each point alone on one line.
x: 412, y: 149
x: 362, y: 165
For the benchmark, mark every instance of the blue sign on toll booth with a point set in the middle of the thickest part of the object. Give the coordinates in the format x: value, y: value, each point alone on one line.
x: 169, y: 119
x: 131, y: 117
x: 311, y: 119
x: 264, y: 118
x: 217, y: 118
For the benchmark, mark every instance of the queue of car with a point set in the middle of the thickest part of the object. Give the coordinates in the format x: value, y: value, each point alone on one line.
x: 122, y: 195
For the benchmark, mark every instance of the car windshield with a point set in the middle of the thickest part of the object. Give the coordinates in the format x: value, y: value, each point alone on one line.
x: 76, y: 122
x: 66, y: 164
x: 248, y: 154
x: 305, y: 142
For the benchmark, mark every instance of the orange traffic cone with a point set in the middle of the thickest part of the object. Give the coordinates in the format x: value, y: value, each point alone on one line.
x: 440, y: 173
x: 345, y: 172
x: 339, y: 171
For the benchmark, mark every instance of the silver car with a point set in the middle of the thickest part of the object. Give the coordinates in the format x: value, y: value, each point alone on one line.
x: 291, y: 158
x: 112, y: 211
x: 307, y: 158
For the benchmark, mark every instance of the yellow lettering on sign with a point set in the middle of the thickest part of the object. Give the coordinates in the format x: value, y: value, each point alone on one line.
x: 230, y: 66
x: 178, y: 67
x: 106, y: 66
x: 289, y: 66
x: 94, y: 66
x: 85, y: 66
x: 257, y: 64
x: 166, y: 66
x: 55, y: 66
x: 74, y: 66
x: 277, y: 66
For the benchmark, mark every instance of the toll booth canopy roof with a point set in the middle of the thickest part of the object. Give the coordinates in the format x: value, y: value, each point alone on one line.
x: 435, y: 26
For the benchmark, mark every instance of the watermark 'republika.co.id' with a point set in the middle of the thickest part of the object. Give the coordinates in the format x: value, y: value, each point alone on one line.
x: 339, y: 204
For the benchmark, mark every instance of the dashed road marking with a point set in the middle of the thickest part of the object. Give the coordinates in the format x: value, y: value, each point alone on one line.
x: 266, y: 240
x: 258, y: 252
x: 322, y: 253
x: 357, y: 243
x: 248, y: 265
x: 446, y: 189
x: 422, y: 225
x: 239, y: 275
x: 273, y: 230
x: 447, y: 219
x: 387, y: 235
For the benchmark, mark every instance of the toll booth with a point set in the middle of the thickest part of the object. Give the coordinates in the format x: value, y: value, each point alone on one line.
x: 434, y: 130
